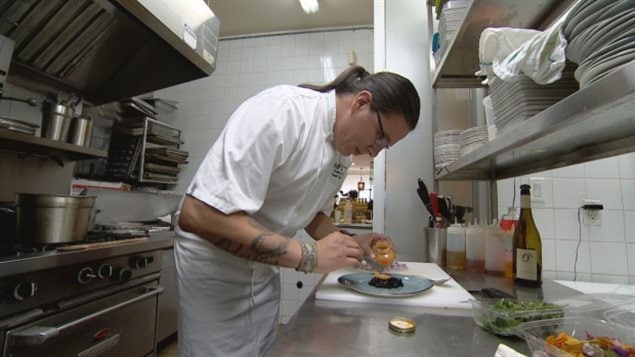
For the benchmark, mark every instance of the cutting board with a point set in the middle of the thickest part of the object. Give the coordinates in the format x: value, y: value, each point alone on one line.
x: 449, y: 295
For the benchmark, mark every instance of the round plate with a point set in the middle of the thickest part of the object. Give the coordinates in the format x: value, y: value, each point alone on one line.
x: 605, y: 31
x: 589, y: 15
x: 573, y: 19
x: 412, y: 285
x: 601, y: 69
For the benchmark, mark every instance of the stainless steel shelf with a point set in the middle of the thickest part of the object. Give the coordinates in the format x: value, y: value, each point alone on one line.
x: 29, y: 144
x: 593, y: 123
x: 460, y: 61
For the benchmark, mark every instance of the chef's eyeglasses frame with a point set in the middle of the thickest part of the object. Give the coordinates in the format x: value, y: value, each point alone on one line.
x: 382, y: 140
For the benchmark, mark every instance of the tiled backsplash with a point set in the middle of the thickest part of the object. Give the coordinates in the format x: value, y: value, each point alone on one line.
x: 606, y: 253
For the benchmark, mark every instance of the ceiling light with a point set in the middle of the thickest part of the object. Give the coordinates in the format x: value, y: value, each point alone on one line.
x: 309, y: 6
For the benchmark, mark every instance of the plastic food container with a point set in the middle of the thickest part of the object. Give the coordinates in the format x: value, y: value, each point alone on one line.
x: 579, y: 327
x: 503, y: 316
x: 622, y: 315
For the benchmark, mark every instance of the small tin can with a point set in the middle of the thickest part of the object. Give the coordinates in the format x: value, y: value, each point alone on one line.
x: 402, y: 325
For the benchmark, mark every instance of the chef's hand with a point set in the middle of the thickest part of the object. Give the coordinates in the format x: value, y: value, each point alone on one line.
x: 337, y: 250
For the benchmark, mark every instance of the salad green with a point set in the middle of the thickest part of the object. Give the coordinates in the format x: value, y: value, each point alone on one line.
x: 502, y: 316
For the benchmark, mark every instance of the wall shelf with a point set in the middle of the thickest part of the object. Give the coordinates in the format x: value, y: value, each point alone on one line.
x: 593, y: 123
x: 30, y: 144
x: 460, y: 60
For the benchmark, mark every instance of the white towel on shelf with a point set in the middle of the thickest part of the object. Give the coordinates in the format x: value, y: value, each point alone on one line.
x: 496, y: 43
x: 542, y: 58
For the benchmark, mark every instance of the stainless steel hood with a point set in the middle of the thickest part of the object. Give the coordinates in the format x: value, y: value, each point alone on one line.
x: 104, y: 50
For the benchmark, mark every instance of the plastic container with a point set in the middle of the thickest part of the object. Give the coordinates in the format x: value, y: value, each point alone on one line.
x: 508, y: 237
x: 475, y: 248
x: 509, y: 220
x: 505, y: 320
x: 503, y: 316
x: 622, y: 315
x: 580, y: 327
x: 494, y: 250
x: 455, y: 247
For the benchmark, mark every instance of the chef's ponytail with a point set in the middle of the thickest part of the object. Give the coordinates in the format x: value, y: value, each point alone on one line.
x: 344, y: 83
x: 392, y: 93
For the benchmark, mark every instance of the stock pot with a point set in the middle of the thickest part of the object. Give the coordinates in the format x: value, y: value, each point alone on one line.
x: 52, y: 219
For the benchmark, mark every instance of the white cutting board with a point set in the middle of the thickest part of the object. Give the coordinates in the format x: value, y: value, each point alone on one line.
x: 449, y: 295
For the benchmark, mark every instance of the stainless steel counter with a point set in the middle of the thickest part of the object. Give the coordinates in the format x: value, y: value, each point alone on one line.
x: 333, y: 328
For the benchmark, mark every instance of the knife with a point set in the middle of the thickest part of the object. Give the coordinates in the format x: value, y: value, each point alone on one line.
x: 436, y: 212
x: 422, y: 191
x: 444, y: 209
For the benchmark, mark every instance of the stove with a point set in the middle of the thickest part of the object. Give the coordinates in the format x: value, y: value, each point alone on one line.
x: 80, y: 299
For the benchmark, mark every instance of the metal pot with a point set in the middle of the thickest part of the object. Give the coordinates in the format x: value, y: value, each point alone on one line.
x: 52, y: 219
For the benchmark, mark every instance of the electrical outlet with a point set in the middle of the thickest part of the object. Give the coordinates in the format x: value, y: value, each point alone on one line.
x: 592, y: 217
x: 592, y: 212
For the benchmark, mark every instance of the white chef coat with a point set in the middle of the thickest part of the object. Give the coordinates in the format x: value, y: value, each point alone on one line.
x: 276, y: 161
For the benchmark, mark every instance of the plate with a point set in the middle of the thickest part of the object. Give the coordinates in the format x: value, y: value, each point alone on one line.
x: 412, y: 285
x: 588, y: 15
x: 604, y: 31
x: 605, y: 67
x: 573, y: 19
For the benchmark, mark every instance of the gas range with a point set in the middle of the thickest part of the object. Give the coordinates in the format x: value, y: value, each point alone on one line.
x: 43, y: 286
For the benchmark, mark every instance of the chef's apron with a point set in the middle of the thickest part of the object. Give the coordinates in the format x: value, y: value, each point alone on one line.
x: 243, y: 318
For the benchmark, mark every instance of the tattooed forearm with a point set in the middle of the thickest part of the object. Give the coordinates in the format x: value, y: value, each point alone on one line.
x: 257, y: 225
x: 265, y: 248
x: 229, y: 246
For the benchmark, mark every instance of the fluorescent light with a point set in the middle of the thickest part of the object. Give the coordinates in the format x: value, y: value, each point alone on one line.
x: 309, y: 6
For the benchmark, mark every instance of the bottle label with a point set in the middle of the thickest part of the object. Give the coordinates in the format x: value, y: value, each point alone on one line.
x: 526, y: 264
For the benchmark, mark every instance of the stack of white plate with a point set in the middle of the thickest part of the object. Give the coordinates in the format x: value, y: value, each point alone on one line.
x: 517, y: 101
x: 450, y: 21
x: 601, y: 36
x: 446, y: 147
x: 472, y: 138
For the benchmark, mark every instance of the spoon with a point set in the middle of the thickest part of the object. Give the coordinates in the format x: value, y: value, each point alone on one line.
x: 373, y: 264
x: 439, y: 281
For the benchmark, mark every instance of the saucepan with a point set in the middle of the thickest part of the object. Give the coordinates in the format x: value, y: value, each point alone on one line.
x: 53, y: 219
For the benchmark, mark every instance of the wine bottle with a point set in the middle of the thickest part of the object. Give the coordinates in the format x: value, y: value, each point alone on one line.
x: 527, y: 248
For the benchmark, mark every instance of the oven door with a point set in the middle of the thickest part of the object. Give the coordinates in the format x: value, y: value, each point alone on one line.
x: 123, y: 324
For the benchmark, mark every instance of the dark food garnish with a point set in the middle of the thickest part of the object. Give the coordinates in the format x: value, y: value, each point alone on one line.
x: 390, y: 283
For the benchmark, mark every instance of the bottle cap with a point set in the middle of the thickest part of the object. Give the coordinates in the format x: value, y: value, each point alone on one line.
x: 402, y: 325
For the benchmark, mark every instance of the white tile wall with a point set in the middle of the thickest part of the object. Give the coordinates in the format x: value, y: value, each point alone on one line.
x: 606, y: 253
x: 245, y: 67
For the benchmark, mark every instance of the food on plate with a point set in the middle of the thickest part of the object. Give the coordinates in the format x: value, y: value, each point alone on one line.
x: 381, y: 276
x: 501, y: 316
x: 385, y: 281
x: 592, y: 346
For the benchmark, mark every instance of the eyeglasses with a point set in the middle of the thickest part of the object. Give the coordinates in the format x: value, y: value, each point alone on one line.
x: 382, y: 140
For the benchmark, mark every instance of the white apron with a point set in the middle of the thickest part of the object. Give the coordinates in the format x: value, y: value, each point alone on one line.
x: 243, y: 319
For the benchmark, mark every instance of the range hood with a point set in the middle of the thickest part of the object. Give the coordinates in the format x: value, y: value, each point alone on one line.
x: 105, y: 50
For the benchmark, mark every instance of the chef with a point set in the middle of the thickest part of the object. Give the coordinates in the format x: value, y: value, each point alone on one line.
x: 282, y: 156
